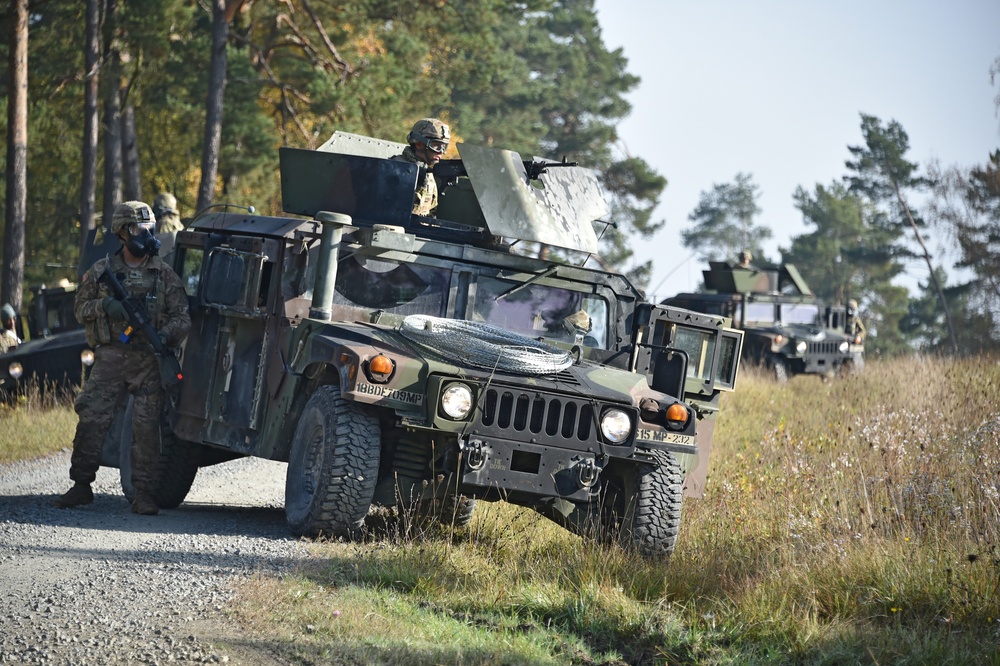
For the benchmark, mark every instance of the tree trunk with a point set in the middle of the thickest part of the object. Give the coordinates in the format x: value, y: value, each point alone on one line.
x: 112, y: 121
x: 91, y: 56
x: 130, y: 153
x: 213, y: 105
x: 17, y: 157
x: 930, y: 267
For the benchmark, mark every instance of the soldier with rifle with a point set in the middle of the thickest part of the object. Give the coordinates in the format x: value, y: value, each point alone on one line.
x: 135, y: 311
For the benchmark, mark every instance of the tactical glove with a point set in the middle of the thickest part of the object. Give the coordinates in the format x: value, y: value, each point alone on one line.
x: 114, y: 308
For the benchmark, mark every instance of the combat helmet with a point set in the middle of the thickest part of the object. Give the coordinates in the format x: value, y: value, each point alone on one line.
x: 427, y: 130
x: 164, y: 203
x: 131, y: 211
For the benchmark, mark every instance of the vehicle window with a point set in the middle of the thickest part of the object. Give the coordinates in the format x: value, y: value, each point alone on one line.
x: 538, y: 310
x: 799, y: 313
x: 700, y: 349
x: 191, y: 270
x: 392, y: 286
x: 760, y: 313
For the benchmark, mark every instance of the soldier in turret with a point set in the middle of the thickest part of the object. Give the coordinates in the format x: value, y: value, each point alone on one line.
x: 428, y: 141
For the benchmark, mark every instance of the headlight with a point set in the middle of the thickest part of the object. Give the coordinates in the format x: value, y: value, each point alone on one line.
x: 616, y: 425
x: 844, y: 346
x: 15, y: 370
x: 456, y: 401
x: 801, y: 347
x: 87, y: 357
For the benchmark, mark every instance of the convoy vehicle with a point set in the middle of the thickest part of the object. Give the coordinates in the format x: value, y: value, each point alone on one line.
x: 399, y: 361
x: 788, y: 329
x: 55, y: 354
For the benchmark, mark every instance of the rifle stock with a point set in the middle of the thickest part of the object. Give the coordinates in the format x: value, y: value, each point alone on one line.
x: 170, y: 367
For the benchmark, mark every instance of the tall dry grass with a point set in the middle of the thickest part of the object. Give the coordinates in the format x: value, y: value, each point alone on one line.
x: 35, y: 422
x: 846, y: 522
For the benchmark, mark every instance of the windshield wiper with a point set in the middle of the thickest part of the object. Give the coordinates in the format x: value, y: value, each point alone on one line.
x: 551, y: 270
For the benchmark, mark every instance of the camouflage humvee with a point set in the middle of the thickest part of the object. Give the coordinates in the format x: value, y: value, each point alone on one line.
x: 788, y: 329
x: 398, y: 361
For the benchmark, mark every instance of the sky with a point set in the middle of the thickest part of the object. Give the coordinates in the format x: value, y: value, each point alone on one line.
x: 776, y: 88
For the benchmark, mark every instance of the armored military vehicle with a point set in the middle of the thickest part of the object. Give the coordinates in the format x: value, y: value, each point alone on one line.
x: 788, y: 329
x: 55, y: 354
x: 395, y: 360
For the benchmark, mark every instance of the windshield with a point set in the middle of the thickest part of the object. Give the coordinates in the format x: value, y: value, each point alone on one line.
x: 799, y: 313
x: 537, y: 310
x: 760, y: 313
x: 531, y: 309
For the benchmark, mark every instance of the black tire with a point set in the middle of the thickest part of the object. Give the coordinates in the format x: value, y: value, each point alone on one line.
x: 121, y: 431
x: 779, y: 369
x: 641, y: 506
x: 175, y: 470
x: 462, y: 508
x: 176, y: 466
x: 332, y: 467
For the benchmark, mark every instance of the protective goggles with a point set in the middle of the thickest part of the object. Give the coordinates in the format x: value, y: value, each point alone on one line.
x: 136, y: 228
x: 437, y: 147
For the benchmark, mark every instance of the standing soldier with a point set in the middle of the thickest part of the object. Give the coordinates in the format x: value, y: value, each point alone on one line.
x: 8, y: 336
x: 125, y: 362
x: 168, y: 219
x: 428, y: 141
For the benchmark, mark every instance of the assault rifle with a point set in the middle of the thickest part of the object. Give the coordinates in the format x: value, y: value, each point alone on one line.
x: 170, y: 368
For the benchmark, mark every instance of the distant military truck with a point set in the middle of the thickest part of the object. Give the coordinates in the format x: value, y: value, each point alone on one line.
x: 401, y: 361
x: 788, y: 329
x: 55, y: 354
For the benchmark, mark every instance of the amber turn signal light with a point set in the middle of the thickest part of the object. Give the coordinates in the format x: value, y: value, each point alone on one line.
x: 676, y: 413
x: 380, y: 365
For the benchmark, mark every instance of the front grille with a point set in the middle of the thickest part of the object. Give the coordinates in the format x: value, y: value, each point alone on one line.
x: 824, y: 347
x: 556, y: 418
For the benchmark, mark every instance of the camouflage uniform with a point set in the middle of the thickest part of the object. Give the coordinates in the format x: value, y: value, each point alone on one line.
x: 425, y: 199
x: 433, y: 137
x: 168, y: 220
x: 122, y: 367
x: 8, y: 338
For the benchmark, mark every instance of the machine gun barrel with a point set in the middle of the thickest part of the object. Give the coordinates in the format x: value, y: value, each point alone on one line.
x: 536, y: 169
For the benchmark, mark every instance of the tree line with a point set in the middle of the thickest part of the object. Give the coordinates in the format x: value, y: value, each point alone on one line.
x: 108, y: 100
x: 124, y: 100
x: 865, y: 227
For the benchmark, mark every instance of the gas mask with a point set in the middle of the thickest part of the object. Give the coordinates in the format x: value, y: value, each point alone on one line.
x: 140, y: 240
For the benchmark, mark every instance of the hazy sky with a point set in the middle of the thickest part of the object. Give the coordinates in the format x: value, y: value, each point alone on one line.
x: 775, y: 88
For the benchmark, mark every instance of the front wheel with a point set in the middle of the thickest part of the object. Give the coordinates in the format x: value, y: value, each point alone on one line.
x: 639, y: 507
x: 333, y: 466
x: 779, y: 369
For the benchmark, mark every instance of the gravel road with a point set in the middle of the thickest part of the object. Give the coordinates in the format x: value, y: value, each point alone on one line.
x: 100, y: 585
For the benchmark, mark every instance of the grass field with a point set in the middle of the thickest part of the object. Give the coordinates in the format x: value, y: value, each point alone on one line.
x: 849, y: 522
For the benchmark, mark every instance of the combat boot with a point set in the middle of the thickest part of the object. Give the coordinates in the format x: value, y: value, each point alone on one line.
x: 78, y: 495
x: 144, y: 505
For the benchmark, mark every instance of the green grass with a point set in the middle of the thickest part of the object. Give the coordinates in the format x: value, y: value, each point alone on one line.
x: 849, y: 522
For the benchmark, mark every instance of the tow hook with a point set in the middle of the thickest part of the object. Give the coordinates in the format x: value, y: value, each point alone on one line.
x: 475, y: 454
x: 587, y: 473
